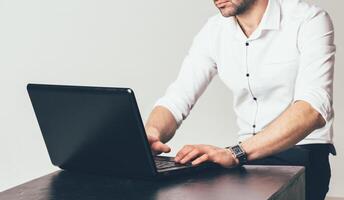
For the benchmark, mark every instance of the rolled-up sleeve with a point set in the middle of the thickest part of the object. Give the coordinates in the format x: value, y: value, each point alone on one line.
x: 314, y: 83
x: 197, y: 71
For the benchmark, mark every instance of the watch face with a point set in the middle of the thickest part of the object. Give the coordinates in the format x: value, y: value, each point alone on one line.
x: 239, y: 153
x: 237, y: 150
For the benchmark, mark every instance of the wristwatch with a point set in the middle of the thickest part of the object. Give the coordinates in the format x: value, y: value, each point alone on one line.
x: 239, y: 153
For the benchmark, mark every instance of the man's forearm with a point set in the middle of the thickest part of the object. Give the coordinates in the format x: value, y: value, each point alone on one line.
x: 161, y: 123
x: 299, y: 120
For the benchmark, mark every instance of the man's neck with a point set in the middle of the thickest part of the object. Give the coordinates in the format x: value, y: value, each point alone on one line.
x: 250, y: 19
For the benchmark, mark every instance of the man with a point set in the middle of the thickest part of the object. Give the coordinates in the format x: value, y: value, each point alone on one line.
x: 277, y: 57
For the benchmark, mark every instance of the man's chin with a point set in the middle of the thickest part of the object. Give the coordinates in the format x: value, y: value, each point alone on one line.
x: 227, y: 12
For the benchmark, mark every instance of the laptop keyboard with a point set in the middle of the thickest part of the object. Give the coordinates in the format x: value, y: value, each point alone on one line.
x: 167, y: 162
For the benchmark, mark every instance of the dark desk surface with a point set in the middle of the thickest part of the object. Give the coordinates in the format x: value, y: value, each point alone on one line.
x: 247, y: 183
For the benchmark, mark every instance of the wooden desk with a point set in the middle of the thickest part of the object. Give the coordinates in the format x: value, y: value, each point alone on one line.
x: 247, y: 183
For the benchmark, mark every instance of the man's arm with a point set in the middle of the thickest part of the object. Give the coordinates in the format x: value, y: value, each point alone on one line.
x: 293, y: 125
x: 196, y: 73
x: 298, y: 121
x: 160, y: 128
x: 161, y: 124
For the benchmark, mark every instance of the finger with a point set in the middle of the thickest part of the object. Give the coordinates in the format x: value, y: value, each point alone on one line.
x: 200, y: 160
x: 190, y: 156
x: 165, y: 148
x: 180, y: 155
x: 160, y: 147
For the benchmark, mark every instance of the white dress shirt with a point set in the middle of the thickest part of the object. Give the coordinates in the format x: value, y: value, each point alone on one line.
x: 289, y: 57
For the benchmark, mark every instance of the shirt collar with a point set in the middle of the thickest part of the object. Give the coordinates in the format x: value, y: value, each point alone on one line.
x: 272, y: 17
x: 271, y: 20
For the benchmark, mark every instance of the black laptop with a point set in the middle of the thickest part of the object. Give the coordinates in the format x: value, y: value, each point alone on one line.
x: 98, y: 130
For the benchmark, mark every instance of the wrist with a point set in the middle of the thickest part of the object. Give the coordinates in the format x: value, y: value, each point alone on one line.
x: 151, y: 130
x: 238, y: 153
x: 235, y: 160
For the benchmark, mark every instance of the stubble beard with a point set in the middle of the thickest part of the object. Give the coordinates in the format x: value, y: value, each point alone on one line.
x: 239, y: 8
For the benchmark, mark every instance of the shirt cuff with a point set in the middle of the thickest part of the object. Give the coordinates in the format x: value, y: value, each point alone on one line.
x: 178, y: 116
x: 321, y: 104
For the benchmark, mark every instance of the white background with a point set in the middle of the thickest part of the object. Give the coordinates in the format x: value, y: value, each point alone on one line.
x: 139, y: 44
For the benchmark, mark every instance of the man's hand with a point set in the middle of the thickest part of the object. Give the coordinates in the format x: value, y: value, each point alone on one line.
x: 156, y: 145
x: 202, y: 153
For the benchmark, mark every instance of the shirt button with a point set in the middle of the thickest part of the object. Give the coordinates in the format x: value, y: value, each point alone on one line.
x: 254, y: 126
x: 247, y: 74
x: 247, y: 44
x: 254, y: 98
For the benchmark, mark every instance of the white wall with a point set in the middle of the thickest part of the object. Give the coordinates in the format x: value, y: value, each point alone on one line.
x: 139, y: 44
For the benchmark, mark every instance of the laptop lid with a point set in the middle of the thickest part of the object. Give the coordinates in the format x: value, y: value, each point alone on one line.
x: 93, y: 129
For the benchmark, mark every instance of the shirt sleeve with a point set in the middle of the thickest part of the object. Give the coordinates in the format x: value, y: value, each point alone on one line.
x: 314, y: 83
x: 197, y: 71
